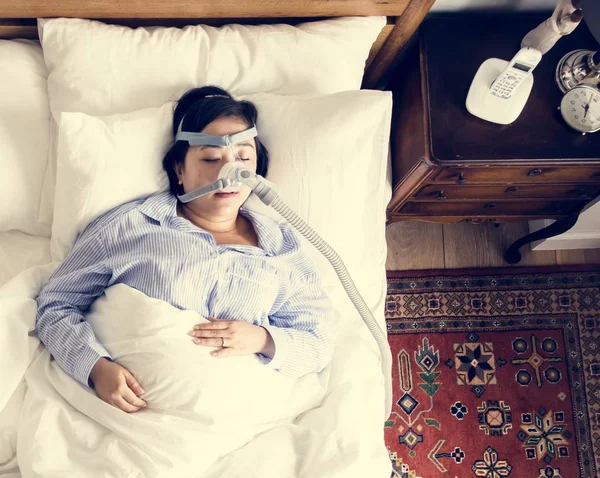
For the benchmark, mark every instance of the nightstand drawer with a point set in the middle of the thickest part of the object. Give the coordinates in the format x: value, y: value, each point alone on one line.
x: 490, y: 208
x: 528, y: 174
x: 440, y: 192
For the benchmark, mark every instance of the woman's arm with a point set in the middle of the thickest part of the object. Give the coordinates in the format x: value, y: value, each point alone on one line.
x: 72, y: 288
x: 302, y: 330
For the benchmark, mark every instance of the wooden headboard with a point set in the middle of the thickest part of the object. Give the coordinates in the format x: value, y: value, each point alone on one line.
x: 18, y: 18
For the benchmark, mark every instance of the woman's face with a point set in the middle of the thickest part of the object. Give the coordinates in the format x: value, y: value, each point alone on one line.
x: 203, y: 163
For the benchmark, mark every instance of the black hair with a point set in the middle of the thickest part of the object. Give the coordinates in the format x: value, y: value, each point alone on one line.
x: 198, y: 107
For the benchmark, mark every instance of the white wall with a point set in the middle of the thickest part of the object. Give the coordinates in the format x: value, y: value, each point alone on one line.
x: 448, y: 5
x: 584, y: 235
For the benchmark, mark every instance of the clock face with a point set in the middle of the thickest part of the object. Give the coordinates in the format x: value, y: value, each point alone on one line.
x: 580, y: 107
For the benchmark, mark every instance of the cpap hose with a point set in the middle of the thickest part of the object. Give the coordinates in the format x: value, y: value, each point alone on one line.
x: 269, y: 197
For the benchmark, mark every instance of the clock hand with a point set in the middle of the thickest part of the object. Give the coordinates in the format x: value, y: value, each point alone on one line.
x: 587, y: 108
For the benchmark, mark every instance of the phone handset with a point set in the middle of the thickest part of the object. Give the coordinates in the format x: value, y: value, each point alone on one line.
x: 515, y: 72
x: 501, y: 88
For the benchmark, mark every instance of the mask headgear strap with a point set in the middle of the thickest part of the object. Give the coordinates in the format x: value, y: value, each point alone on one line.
x: 201, y: 139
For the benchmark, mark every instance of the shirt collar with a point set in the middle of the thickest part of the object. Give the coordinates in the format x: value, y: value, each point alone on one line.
x: 162, y: 207
x: 270, y: 237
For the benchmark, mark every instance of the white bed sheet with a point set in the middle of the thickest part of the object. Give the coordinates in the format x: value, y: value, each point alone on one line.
x: 20, y: 251
x: 352, y: 410
x: 348, y: 424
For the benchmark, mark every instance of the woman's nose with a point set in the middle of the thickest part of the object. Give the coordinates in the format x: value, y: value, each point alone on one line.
x: 230, y: 155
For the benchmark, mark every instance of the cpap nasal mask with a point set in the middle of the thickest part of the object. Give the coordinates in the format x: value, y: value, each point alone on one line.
x: 230, y: 141
x: 232, y: 176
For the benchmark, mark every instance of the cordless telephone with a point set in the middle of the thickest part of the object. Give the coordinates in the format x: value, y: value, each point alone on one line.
x: 515, y: 72
x: 501, y: 88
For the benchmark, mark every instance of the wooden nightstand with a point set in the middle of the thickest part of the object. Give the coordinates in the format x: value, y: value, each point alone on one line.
x: 450, y: 166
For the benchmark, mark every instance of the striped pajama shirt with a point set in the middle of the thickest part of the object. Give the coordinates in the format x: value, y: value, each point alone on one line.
x: 145, y: 245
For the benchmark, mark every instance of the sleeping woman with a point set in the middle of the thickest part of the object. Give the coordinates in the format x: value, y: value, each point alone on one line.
x: 247, y: 274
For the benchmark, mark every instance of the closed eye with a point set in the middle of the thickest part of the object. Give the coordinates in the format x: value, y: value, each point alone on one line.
x: 213, y: 160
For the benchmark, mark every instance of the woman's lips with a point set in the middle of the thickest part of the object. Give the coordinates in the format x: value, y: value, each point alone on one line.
x: 225, y: 195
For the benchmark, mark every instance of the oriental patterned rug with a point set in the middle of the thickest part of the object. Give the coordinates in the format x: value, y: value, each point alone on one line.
x: 496, y: 373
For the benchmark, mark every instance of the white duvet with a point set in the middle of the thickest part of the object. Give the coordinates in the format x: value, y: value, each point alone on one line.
x: 207, y: 417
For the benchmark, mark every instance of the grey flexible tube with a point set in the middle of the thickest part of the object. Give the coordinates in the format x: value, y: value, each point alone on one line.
x: 237, y: 173
x: 380, y: 337
x: 262, y: 188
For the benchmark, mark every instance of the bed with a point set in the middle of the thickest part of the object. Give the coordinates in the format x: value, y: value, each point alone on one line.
x: 315, y: 68
x: 20, y: 251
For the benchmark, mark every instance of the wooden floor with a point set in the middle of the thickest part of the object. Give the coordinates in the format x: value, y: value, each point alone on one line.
x: 420, y: 245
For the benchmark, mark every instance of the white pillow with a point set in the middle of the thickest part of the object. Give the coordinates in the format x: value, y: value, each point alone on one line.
x: 328, y: 160
x: 104, y: 162
x: 102, y: 69
x: 24, y: 119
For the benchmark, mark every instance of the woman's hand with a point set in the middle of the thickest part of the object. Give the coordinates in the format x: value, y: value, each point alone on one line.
x: 240, y: 338
x: 116, y: 386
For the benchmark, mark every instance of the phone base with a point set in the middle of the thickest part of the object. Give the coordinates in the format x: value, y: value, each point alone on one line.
x: 484, y: 105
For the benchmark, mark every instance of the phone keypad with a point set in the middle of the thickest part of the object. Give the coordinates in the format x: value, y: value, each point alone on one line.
x: 504, y: 86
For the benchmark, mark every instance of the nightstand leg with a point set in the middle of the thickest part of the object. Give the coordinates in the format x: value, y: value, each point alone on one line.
x: 512, y: 254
